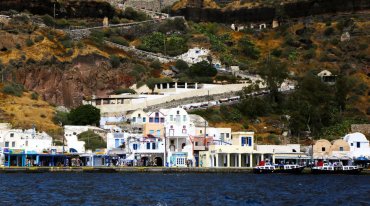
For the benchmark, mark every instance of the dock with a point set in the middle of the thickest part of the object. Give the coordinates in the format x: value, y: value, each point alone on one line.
x: 135, y: 170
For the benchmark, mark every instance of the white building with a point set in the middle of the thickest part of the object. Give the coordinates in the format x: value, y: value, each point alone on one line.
x: 147, y: 151
x: 71, y: 133
x: 359, y: 145
x: 195, y: 55
x: 284, y: 153
x: 29, y: 140
x: 178, y: 128
x: 137, y: 117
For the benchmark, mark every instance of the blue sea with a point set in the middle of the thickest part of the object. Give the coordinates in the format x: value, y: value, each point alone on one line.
x: 182, y: 189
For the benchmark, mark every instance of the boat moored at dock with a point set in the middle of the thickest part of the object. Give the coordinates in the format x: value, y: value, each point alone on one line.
x: 338, y: 169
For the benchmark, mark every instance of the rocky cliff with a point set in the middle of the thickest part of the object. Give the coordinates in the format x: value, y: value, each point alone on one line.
x: 289, y: 10
x: 68, y: 83
x: 63, y: 9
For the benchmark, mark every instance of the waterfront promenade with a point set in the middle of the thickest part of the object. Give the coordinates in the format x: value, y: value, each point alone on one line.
x: 134, y: 170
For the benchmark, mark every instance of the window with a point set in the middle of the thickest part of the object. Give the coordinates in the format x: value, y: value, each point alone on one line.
x: 144, y: 119
x: 162, y: 119
x: 116, y: 143
x: 134, y: 146
x: 11, y: 134
x: 148, y: 145
x: 249, y: 141
x: 13, y: 144
x: 156, y: 114
x: 341, y: 149
x: 139, y: 115
x: 6, y: 144
x: 134, y: 119
x: 151, y: 131
x: 244, y: 141
x: 151, y: 119
x: 358, y: 144
x: 172, y: 141
x: 184, y: 118
x: 153, y: 145
x: 171, y: 118
x: 323, y: 149
x: 158, y: 133
x: 184, y: 131
x: 351, y: 144
x: 74, y: 133
x: 178, y: 112
x: 200, y: 131
x: 222, y: 135
x: 227, y: 135
x: 26, y: 143
x: 180, y: 161
x: 196, y: 143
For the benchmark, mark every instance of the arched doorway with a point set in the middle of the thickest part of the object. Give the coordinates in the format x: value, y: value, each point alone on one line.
x: 158, y: 161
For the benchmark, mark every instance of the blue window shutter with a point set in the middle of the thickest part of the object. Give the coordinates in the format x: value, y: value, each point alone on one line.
x: 116, y: 143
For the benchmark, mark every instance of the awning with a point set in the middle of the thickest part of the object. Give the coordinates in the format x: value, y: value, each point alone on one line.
x: 362, y: 159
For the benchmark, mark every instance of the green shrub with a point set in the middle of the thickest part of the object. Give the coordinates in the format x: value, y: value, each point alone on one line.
x: 114, y: 61
x: 80, y: 45
x: 34, y: 96
x: 13, y: 89
x: 48, y: 20
x: 119, y: 40
x: 156, y: 65
x: 69, y: 52
x: 248, y: 48
x: 29, y: 42
x: 277, y: 52
x: 329, y: 31
x: 67, y: 43
x: 39, y: 38
x: 18, y: 46
x: 309, y: 54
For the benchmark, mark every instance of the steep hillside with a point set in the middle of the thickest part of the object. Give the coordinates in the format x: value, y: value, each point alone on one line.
x: 24, y: 112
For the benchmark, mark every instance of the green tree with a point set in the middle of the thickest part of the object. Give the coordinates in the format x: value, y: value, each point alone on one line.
x: 151, y: 82
x: 202, y: 69
x: 156, y: 65
x: 273, y: 72
x: 312, y: 106
x: 61, y: 118
x: 85, y: 115
x: 181, y: 65
x: 92, y: 140
x: 248, y: 48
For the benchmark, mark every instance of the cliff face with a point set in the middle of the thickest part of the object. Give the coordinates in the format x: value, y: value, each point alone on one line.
x: 67, y: 84
x: 290, y: 10
x: 65, y: 9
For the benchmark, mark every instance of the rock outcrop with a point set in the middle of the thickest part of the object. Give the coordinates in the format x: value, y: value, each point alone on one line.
x: 68, y: 83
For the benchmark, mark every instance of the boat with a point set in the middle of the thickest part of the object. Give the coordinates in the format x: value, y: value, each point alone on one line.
x: 262, y: 167
x: 336, y: 169
x: 290, y: 168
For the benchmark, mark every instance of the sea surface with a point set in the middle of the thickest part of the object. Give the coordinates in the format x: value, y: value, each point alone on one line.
x: 182, y: 189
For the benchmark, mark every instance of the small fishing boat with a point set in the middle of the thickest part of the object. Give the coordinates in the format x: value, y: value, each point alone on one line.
x: 262, y: 167
x: 337, y: 169
x: 290, y: 168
